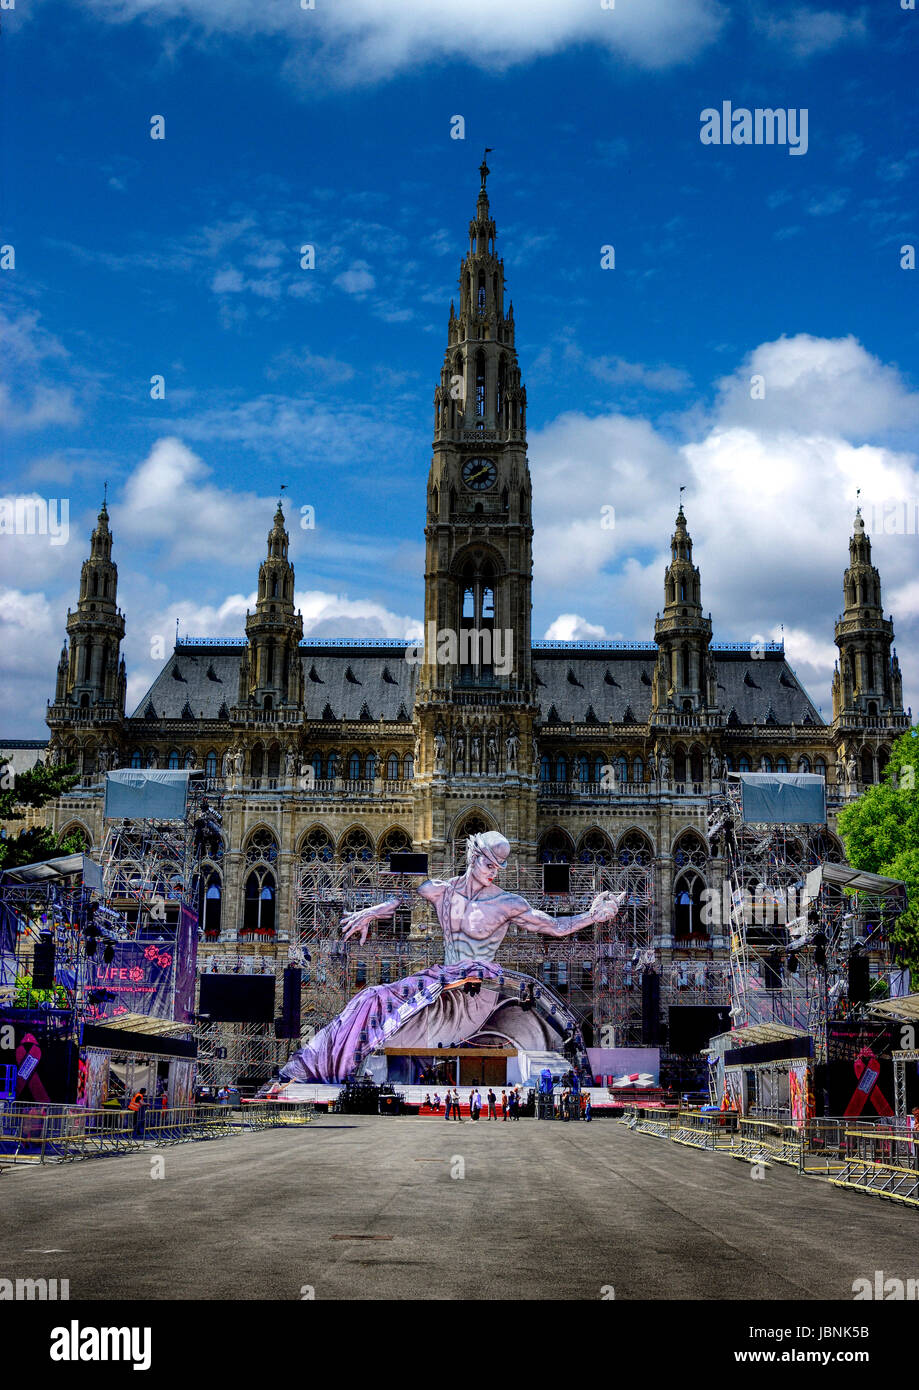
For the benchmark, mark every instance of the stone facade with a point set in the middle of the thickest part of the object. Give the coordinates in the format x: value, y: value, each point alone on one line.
x: 327, y: 751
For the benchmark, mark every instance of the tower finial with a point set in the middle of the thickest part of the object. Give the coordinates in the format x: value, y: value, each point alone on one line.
x: 483, y: 167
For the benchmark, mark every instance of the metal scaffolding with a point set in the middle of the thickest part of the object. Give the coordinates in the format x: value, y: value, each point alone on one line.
x: 789, y: 952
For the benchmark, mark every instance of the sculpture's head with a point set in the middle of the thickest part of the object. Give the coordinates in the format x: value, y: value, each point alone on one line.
x: 487, y: 853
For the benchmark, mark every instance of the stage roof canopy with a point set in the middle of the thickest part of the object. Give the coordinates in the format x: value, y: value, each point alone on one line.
x: 752, y: 1034
x: 907, y: 1007
x: 47, y: 869
x: 146, y: 793
x: 782, y: 798
x: 847, y: 877
x: 143, y: 1023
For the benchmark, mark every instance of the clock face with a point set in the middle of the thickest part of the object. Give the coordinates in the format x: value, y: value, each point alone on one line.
x: 479, y: 474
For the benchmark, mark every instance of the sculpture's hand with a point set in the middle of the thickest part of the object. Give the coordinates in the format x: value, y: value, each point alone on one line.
x: 359, y: 922
x: 605, y: 906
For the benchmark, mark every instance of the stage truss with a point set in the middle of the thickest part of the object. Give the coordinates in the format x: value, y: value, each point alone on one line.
x: 789, y: 955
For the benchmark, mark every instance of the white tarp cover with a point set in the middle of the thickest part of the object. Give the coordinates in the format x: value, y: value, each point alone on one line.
x: 783, y: 798
x: 146, y: 793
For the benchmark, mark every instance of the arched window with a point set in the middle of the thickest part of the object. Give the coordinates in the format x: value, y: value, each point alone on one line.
x: 273, y: 768
x: 408, y: 767
x: 371, y: 766
x: 819, y: 767
x: 634, y: 848
x: 582, y: 769
x: 260, y: 902
x: 356, y: 847
x: 473, y: 824
x: 334, y: 763
x: 395, y: 841
x: 595, y: 848
x: 679, y: 764
x: 173, y: 760
x: 687, y: 906
x: 210, y: 764
x: 262, y: 847
x: 317, y: 766
x: 257, y: 762
x: 211, y: 903
x: 77, y: 837
x: 743, y: 763
x: 317, y: 847
x: 480, y: 301
x: 137, y: 758
x: 555, y: 847
x: 867, y: 766
x: 781, y: 764
x: 392, y: 767
x: 600, y: 763
x: 638, y: 770
x: 622, y: 769
x: 354, y: 767
x: 561, y: 768
x: 480, y: 385
x: 696, y: 765
x: 545, y: 772
x: 690, y: 850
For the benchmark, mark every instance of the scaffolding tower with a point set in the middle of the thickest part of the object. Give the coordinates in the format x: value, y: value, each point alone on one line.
x: 790, y: 951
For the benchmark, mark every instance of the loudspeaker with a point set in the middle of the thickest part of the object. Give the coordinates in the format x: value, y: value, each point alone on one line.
x: 650, y: 1008
x: 406, y: 863
x: 290, y: 1008
x: 859, y: 979
x: 556, y: 878
x: 773, y: 971
x: 43, y: 963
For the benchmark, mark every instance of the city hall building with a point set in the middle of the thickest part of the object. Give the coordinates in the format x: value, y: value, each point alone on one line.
x: 324, y: 756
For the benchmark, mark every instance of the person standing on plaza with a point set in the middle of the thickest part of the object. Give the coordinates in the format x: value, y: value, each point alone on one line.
x: 492, y: 1104
x: 504, y: 1105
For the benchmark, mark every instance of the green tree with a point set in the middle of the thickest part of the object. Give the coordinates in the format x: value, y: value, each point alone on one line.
x: 21, y: 792
x: 881, y: 834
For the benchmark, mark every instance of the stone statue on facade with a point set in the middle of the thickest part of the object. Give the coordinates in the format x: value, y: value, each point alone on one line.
x: 492, y: 754
x: 512, y: 750
x: 440, y: 751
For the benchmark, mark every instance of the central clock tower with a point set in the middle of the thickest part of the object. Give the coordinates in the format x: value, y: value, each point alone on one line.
x: 474, y: 709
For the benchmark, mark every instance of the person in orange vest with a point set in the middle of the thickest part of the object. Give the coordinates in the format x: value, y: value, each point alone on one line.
x: 138, y: 1106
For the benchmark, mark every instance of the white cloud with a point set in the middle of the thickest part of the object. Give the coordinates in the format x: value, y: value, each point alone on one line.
x: 362, y: 41
x: 571, y: 627
x: 804, y: 32
x: 771, y: 491
x: 356, y: 280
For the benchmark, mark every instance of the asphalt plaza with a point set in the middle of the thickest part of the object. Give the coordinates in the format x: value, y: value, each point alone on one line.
x: 366, y: 1207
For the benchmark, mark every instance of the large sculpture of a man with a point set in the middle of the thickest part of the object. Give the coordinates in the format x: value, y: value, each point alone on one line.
x: 433, y: 1007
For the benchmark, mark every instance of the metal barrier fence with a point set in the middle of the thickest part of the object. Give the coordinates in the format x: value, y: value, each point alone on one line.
x: 40, y: 1133
x: 704, y: 1130
x: 881, y: 1158
x: 273, y: 1114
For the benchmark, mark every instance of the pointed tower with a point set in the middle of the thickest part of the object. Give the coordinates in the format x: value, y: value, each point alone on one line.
x: 271, y: 674
x: 95, y: 674
x: 473, y: 703
x: 684, y: 680
x: 866, y: 683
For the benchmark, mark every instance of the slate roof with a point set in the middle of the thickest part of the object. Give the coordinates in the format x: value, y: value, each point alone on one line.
x: 372, y: 682
x: 349, y: 682
x: 617, y: 685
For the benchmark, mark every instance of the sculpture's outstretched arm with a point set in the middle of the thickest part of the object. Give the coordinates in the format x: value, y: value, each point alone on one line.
x: 604, y: 908
x: 359, y: 922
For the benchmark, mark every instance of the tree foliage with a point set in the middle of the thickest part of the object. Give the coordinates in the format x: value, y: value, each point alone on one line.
x: 881, y: 834
x: 21, y: 792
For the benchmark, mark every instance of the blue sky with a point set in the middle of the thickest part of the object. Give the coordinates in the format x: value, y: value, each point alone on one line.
x: 332, y: 127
